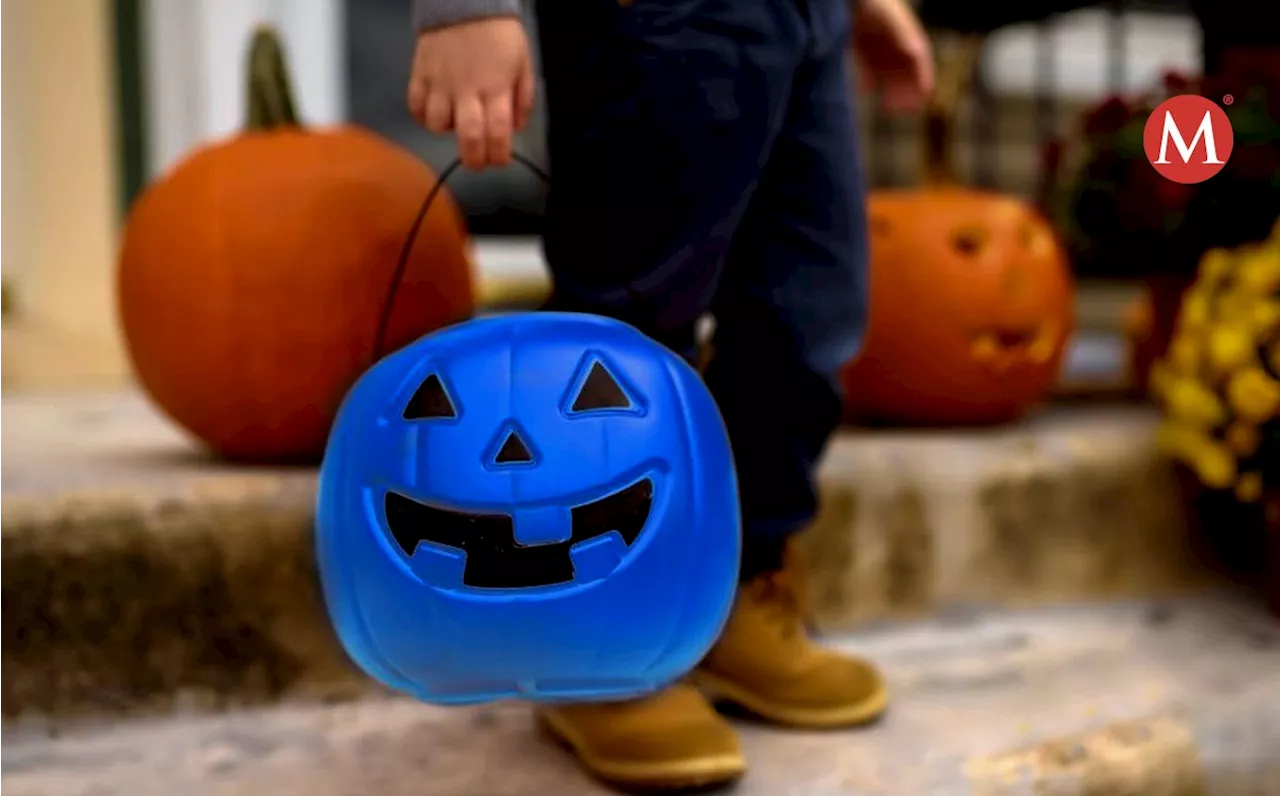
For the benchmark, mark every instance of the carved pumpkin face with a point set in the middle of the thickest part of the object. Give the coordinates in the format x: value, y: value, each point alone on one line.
x: 536, y: 505
x: 972, y: 305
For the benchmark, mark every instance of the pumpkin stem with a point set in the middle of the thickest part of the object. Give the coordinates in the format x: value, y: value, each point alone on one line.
x: 956, y: 66
x: 270, y: 98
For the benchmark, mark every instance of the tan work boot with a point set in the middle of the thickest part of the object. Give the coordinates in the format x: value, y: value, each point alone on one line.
x: 766, y: 663
x: 671, y: 740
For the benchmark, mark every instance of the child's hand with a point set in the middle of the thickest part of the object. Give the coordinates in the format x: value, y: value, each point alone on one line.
x: 894, y: 53
x: 475, y: 78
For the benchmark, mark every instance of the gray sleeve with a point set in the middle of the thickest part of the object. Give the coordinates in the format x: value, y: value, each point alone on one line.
x: 438, y: 13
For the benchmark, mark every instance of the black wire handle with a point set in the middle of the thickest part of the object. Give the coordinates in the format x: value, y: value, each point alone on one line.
x: 397, y: 276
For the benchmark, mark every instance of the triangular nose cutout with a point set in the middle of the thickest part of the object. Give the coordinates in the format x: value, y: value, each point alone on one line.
x: 513, y: 451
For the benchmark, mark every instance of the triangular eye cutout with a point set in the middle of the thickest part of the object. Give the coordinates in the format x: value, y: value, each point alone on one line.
x: 600, y: 391
x: 513, y: 451
x: 430, y: 401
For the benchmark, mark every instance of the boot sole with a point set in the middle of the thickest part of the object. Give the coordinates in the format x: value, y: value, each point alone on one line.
x: 860, y: 713
x: 698, y: 773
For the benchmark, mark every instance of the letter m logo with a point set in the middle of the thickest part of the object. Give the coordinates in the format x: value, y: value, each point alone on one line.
x: 1171, y: 132
x: 1199, y: 132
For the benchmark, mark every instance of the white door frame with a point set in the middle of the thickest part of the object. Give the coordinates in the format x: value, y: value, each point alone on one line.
x: 194, y: 67
x: 13, y: 119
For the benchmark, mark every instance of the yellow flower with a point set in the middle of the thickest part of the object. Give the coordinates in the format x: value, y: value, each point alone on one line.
x: 1212, y: 463
x: 1191, y: 402
x: 1233, y: 305
x: 1216, y: 391
x: 1254, y: 395
x: 1248, y: 487
x: 1264, y: 316
x: 1197, y: 311
x: 1242, y: 438
x: 1215, y: 465
x: 1215, y: 265
x: 1230, y: 348
x: 1259, y: 271
x: 1184, y: 353
x: 1158, y: 379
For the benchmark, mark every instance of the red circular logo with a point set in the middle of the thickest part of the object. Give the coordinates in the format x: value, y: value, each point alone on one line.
x: 1188, y: 138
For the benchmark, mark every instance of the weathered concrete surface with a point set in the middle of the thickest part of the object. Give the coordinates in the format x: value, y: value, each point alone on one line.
x: 1174, y: 698
x: 1071, y: 504
x: 136, y: 571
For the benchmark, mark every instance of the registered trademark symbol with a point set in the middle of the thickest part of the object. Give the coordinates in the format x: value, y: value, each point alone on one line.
x: 1228, y: 99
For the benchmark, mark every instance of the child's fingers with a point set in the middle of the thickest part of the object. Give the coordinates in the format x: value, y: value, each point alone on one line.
x: 924, y: 74
x: 497, y: 122
x: 468, y: 120
x: 895, y: 96
x: 438, y: 115
x: 910, y: 97
x: 417, y: 98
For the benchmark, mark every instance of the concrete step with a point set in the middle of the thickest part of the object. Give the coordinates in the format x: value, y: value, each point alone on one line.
x: 138, y: 574
x: 1072, y: 503
x: 1158, y: 698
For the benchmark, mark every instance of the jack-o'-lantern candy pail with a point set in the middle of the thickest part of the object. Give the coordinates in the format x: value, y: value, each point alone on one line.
x: 540, y: 506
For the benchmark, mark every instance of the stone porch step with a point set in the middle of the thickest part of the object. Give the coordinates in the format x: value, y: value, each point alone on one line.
x: 137, y: 573
x: 1156, y: 698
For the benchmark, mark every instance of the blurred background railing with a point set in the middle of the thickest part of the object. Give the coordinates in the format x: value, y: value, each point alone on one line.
x: 1034, y: 81
x: 178, y: 79
x: 102, y: 95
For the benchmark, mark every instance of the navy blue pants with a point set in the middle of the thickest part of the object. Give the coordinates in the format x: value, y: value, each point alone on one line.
x: 705, y: 161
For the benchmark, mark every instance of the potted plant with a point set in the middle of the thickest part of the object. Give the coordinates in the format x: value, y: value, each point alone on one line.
x: 1126, y: 221
x: 1219, y: 387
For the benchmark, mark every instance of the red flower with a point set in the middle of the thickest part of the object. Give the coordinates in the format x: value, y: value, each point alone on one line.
x: 1175, y: 82
x: 1172, y: 196
x: 1051, y: 155
x: 1108, y: 118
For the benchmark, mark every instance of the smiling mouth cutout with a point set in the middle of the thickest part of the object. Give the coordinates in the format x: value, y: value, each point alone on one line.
x: 494, y: 558
x: 1004, y: 346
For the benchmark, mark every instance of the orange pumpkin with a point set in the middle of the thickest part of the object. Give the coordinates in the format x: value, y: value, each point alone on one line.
x: 971, y: 309
x: 971, y: 297
x: 254, y: 276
